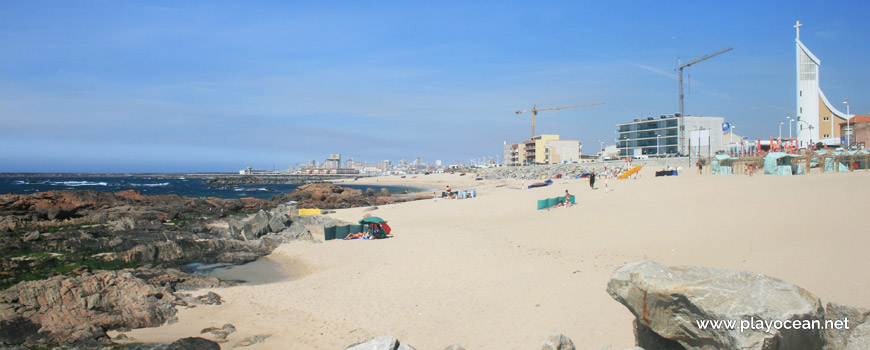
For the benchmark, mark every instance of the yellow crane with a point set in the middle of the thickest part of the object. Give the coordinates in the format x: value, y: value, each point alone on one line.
x: 535, y: 111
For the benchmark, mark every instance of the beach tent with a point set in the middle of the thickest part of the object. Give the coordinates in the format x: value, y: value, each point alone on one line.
x: 780, y: 163
x: 829, y: 161
x: 722, y: 164
x: 376, y: 226
x: 856, y: 158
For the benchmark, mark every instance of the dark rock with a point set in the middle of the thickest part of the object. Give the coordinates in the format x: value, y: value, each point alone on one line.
x: 257, y: 226
x: 193, y: 343
x: 209, y: 299
x: 455, y: 347
x: 649, y: 339
x: 17, y: 329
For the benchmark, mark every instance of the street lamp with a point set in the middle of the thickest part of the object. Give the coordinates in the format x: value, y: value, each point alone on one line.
x: 848, y: 128
x: 788, y: 116
x: 780, y: 130
x: 731, y: 136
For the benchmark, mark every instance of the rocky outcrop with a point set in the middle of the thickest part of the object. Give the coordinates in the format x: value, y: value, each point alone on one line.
x: 79, y: 309
x: 330, y: 196
x: 668, y: 303
x: 857, y: 336
x: 93, y: 206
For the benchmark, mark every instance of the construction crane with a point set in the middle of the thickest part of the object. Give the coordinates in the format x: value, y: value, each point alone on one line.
x: 535, y: 111
x: 707, y: 57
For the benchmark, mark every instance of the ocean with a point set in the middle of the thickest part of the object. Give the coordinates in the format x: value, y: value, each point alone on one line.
x: 156, y: 185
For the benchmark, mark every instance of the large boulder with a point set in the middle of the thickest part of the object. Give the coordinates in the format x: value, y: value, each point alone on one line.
x: 81, y: 308
x: 672, y: 304
x: 258, y: 225
x: 857, y: 336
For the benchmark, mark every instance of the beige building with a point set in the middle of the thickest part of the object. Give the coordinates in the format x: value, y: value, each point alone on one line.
x: 542, y: 149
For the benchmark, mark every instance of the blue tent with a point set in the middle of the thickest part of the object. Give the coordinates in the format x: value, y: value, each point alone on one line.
x: 780, y: 163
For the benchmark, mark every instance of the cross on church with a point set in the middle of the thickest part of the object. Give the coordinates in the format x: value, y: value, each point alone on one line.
x: 797, y: 27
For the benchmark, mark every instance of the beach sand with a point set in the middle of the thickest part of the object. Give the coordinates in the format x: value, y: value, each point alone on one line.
x: 493, y: 272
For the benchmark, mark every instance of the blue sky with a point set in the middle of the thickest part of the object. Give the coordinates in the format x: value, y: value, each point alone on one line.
x: 182, y: 86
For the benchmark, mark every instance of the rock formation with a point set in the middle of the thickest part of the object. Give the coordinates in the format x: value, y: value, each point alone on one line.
x: 81, y: 308
x: 854, y: 338
x: 330, y: 196
x: 668, y: 303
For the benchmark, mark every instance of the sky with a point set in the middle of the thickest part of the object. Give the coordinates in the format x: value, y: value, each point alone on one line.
x: 196, y: 86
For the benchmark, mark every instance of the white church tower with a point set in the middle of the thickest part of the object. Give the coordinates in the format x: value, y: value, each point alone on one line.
x: 818, y: 120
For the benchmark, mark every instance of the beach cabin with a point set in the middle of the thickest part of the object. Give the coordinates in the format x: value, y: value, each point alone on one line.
x: 781, y: 163
x: 722, y: 164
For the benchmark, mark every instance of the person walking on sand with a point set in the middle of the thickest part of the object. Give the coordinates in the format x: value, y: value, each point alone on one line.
x: 592, y: 180
x: 700, y: 167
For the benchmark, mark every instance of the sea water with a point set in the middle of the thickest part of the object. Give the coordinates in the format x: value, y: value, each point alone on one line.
x: 156, y: 185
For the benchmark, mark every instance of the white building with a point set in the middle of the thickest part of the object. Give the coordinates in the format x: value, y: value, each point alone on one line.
x: 817, y: 119
x: 670, y: 135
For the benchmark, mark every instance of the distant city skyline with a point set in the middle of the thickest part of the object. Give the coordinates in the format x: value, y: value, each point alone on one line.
x: 218, y: 86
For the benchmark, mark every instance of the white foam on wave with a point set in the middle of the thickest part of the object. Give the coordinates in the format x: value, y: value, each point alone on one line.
x: 78, y: 183
x: 150, y: 185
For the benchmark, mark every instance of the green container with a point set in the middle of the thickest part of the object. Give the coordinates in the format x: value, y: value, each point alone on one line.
x: 542, y: 204
x: 342, y: 231
x: 329, y: 233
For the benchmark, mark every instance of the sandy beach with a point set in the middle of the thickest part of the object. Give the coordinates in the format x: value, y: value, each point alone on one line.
x: 493, y: 272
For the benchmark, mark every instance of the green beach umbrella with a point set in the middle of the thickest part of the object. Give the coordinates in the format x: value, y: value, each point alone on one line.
x: 372, y: 220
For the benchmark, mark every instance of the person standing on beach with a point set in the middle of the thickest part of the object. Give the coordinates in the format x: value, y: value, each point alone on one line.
x: 700, y: 167
x: 592, y: 180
